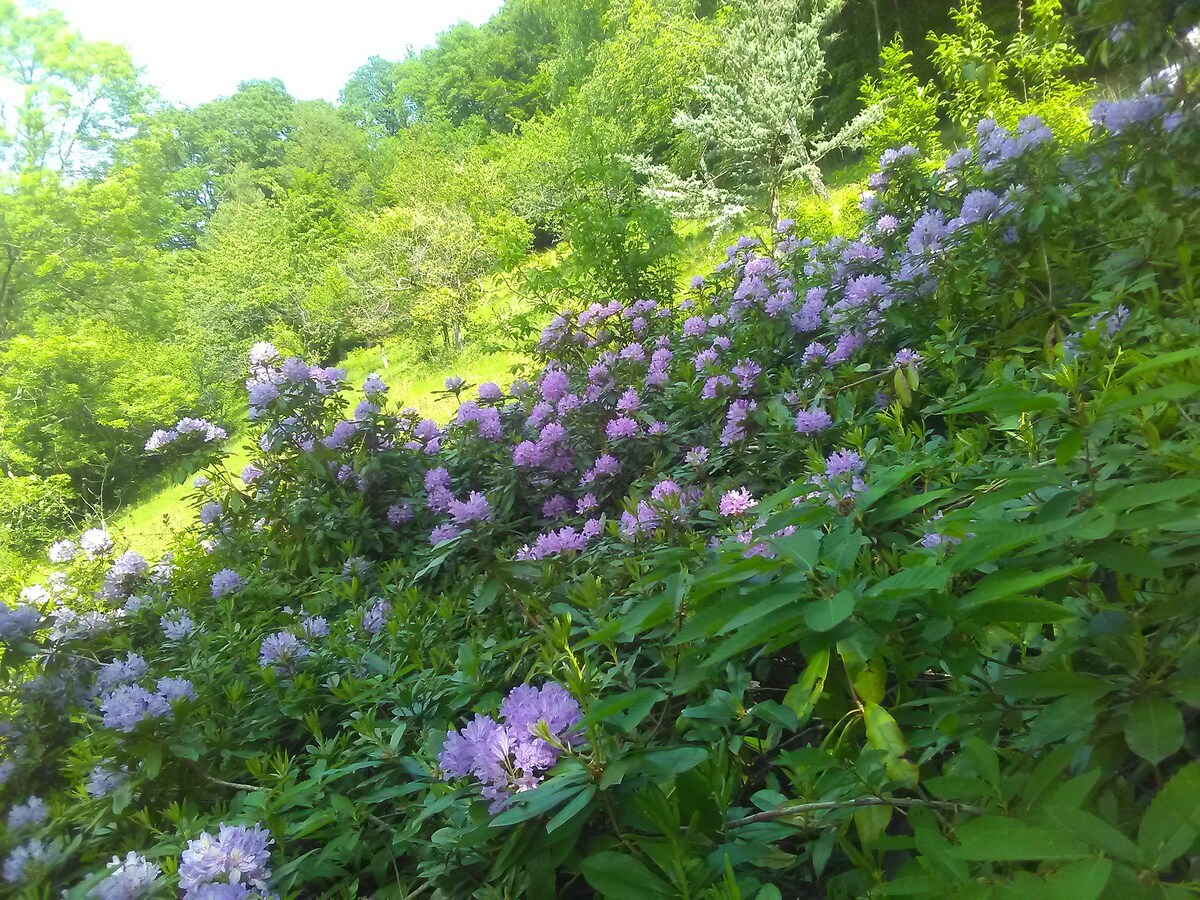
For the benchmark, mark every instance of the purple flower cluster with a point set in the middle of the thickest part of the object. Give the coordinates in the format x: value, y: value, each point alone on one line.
x: 511, y: 755
x: 282, y: 651
x: 131, y: 878
x: 184, y: 428
x: 226, y: 582
x: 236, y: 856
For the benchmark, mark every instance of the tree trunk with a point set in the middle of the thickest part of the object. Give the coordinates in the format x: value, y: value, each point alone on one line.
x: 446, y: 335
x: 774, y: 207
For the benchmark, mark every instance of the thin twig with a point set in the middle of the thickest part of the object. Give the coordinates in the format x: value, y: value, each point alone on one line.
x: 802, y: 808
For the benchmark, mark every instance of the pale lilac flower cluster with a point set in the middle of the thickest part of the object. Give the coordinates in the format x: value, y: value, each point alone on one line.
x: 131, y: 878
x: 123, y: 575
x: 563, y: 542
x: 235, y: 856
x: 737, y: 503
x: 30, y: 814
x: 811, y: 421
x: 206, y: 430
x: 511, y: 755
x: 225, y: 582
x: 376, y: 616
x: 18, y: 623
x: 103, y: 781
x: 62, y: 551
x: 282, y: 651
x: 96, y: 542
x: 32, y: 853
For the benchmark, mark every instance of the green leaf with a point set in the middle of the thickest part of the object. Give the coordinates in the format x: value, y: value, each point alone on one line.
x: 673, y: 761
x: 1161, y: 360
x: 1124, y: 558
x: 572, y: 809
x: 1082, y: 880
x: 801, y: 548
x: 1011, y: 582
x: 1151, y: 494
x: 802, y: 696
x: 1154, y: 728
x: 827, y: 613
x: 605, y: 709
x: 1172, y: 821
x: 541, y: 799
x: 1001, y: 839
x: 623, y: 877
x: 1017, y: 609
x: 884, y: 734
x: 911, y: 581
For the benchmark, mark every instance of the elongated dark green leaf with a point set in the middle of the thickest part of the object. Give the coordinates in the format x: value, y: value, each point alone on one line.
x: 1171, y: 823
x: 911, y: 581
x: 1017, y: 609
x: 1001, y: 839
x: 571, y: 810
x: 1150, y: 494
x: 1014, y: 582
x: 611, y: 706
x: 623, y: 877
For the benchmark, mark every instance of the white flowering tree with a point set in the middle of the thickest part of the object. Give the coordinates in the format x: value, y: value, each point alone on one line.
x: 756, y: 126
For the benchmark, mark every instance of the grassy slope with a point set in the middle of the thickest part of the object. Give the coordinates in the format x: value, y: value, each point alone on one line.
x: 148, y: 525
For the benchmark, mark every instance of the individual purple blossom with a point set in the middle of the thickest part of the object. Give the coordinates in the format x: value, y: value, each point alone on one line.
x: 341, y: 435
x: 225, y: 582
x: 314, y: 626
x: 979, y: 206
x: 474, y: 509
x: 30, y: 814
x: 132, y: 878
x: 376, y: 616
x: 906, y: 357
x: 126, y: 706
x: 555, y: 385
x: 160, y: 438
x: 621, y: 427
x: 175, y: 689
x: 262, y: 353
x: 697, y: 282
x: 586, y: 504
x: 399, y: 513
x: 237, y: 856
x: 251, y: 474
x: 32, y: 852
x: 558, y: 505
x: 210, y: 512
x: 747, y: 372
x: 737, y: 503
x: 177, y: 626
x: 96, y: 542
x: 103, y: 781
x: 282, y: 651
x: 443, y: 533
x: 697, y: 457
x: 62, y: 551
x: 812, y: 421
x: 629, y: 401
x: 887, y: 224
x: 843, y: 462
x: 374, y: 385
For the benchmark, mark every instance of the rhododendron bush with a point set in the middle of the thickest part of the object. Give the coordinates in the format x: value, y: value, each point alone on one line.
x: 863, y: 567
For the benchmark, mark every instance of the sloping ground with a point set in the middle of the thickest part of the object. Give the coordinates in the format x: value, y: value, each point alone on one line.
x: 864, y: 568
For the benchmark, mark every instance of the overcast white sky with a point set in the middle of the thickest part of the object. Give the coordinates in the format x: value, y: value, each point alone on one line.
x: 195, y: 50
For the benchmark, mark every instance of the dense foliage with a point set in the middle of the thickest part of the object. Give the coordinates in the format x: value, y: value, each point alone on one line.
x: 194, y: 232
x: 862, y: 567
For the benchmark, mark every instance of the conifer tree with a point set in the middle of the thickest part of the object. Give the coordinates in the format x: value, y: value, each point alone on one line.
x: 756, y: 126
